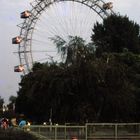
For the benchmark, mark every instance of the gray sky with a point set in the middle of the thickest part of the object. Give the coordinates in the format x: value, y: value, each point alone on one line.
x: 10, y: 17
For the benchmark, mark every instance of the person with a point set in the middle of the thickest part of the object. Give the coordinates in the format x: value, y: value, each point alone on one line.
x: 22, y: 123
x: 4, y: 123
x: 13, y: 122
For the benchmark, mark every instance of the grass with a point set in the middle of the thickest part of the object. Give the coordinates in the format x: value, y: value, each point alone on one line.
x: 12, y: 134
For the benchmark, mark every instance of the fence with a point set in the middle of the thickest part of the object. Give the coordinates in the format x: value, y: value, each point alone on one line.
x: 90, y: 131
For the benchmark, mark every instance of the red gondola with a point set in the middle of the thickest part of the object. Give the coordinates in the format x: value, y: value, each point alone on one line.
x: 16, y: 40
x: 18, y: 68
x: 25, y: 14
x: 108, y: 6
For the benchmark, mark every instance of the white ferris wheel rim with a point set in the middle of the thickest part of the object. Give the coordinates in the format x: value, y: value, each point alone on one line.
x: 25, y: 51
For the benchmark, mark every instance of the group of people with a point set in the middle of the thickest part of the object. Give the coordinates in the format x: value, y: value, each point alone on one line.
x: 6, y: 123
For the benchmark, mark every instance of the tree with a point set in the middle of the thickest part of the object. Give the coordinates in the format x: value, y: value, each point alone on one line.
x: 1, y: 105
x: 98, y: 91
x: 115, y: 34
x: 12, y: 101
x: 74, y: 50
x: 1, y: 102
x: 133, y: 62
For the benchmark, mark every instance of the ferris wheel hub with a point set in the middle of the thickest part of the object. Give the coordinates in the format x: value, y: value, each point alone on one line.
x: 31, y: 17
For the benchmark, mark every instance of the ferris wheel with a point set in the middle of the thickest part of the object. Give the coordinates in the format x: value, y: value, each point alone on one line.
x: 49, y: 18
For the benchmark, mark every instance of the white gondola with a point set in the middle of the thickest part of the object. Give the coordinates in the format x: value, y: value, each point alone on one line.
x: 18, y: 68
x: 25, y: 14
x: 16, y: 40
x: 108, y: 5
x: 36, y: 38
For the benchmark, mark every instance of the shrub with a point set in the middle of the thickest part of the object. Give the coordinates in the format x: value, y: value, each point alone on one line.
x: 12, y: 134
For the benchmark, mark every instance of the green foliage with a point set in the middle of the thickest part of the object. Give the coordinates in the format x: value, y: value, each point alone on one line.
x: 1, y: 105
x: 98, y: 90
x: 116, y: 33
x: 73, y: 50
x: 12, y: 101
x: 1, y: 102
x: 87, y: 87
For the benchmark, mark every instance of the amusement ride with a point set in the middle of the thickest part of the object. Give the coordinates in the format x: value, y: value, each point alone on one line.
x: 50, y: 18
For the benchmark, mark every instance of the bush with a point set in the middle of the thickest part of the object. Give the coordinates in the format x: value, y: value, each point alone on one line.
x: 12, y: 134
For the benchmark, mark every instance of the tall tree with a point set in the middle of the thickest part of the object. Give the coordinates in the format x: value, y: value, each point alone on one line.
x: 99, y: 90
x: 1, y: 102
x: 115, y: 34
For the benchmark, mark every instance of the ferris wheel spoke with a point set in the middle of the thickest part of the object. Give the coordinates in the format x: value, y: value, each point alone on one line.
x: 43, y: 35
x: 59, y: 12
x: 43, y: 59
x: 87, y: 23
x: 57, y: 24
x: 52, y: 29
x: 40, y: 41
x: 43, y: 51
x: 62, y: 18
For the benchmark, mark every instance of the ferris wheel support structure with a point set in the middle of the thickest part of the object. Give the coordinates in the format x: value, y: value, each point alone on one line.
x: 24, y: 40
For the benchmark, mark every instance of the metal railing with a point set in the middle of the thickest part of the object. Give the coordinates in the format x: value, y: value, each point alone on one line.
x: 89, y: 131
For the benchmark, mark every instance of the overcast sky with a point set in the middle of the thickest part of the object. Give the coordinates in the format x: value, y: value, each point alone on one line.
x: 10, y: 17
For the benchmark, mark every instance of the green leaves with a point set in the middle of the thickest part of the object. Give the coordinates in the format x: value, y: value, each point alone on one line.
x: 1, y: 103
x: 91, y: 91
x: 98, y: 82
x: 73, y: 50
x: 116, y: 33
